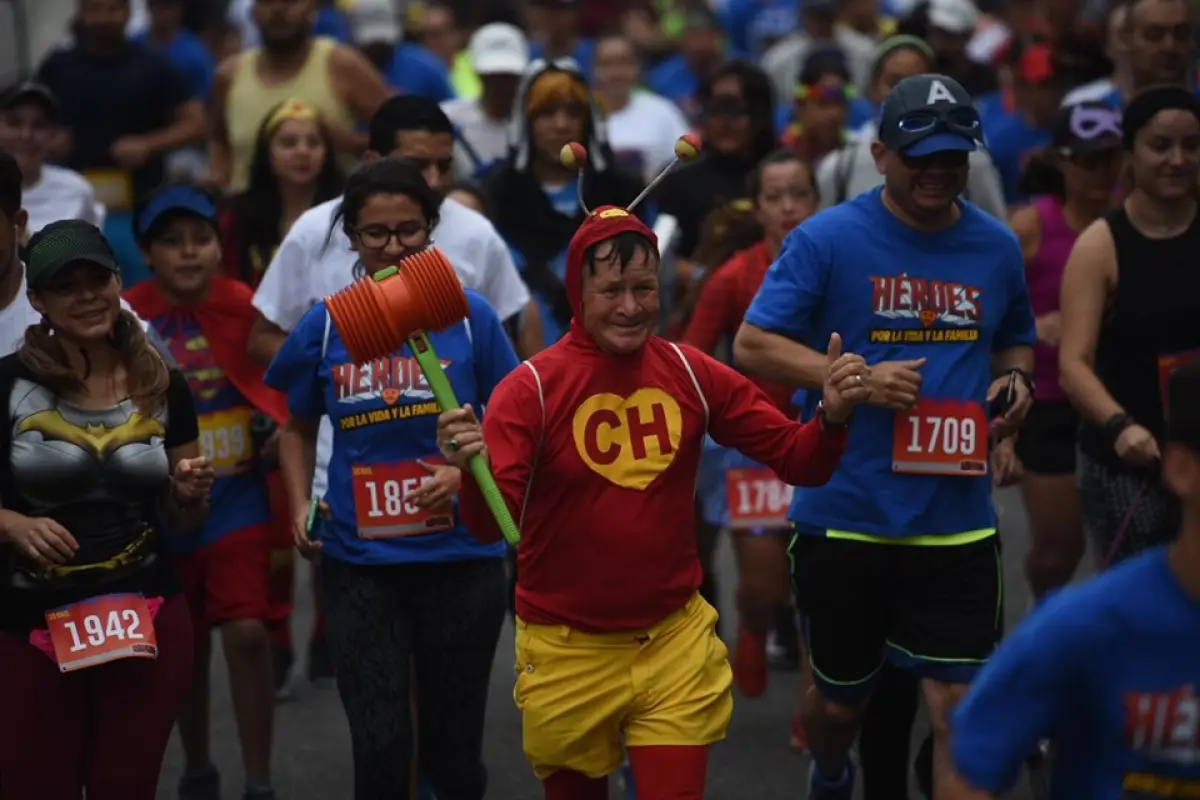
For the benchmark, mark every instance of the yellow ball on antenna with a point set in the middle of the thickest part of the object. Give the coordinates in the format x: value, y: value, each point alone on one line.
x: 573, y: 155
x: 687, y: 147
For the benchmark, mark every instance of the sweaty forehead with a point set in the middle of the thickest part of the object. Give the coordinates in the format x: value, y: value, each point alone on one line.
x: 1158, y: 12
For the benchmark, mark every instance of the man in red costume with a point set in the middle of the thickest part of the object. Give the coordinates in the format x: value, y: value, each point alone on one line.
x: 595, y: 444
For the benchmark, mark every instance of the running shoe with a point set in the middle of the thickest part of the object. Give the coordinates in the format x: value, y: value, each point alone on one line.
x: 320, y: 666
x: 821, y: 789
x: 750, y: 664
x: 799, y: 738
x: 204, y: 785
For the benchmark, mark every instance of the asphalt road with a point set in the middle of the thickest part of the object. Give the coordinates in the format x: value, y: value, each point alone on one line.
x: 312, y: 747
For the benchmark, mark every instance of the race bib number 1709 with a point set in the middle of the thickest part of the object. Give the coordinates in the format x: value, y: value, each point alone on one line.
x: 941, y: 437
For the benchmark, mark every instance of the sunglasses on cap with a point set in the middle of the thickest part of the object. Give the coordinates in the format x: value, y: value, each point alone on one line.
x: 960, y: 120
x: 824, y: 92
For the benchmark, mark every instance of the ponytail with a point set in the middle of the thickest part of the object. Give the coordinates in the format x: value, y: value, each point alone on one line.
x: 1042, y: 176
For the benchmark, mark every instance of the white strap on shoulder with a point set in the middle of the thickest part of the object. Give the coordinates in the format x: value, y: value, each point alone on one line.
x: 695, y: 381
x: 537, y: 379
x: 328, y: 328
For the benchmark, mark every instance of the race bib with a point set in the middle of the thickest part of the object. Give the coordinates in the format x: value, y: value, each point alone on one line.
x: 757, y: 499
x: 225, y: 440
x: 941, y: 437
x: 113, y: 188
x: 101, y: 629
x: 382, y: 506
x: 1168, y: 364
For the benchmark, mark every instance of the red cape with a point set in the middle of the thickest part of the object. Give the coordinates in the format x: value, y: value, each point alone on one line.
x: 225, y: 317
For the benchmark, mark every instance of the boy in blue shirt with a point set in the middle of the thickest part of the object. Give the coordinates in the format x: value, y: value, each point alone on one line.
x: 1108, y: 670
x: 897, y: 557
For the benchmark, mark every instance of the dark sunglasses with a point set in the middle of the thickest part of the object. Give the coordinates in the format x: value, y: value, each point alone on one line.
x: 725, y: 105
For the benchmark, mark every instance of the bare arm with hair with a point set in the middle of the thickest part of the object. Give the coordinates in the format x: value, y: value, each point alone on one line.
x: 220, y: 159
x: 265, y: 340
x: 297, y: 461
x: 361, y: 88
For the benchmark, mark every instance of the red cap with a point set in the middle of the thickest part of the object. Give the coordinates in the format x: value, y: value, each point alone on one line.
x: 603, y: 223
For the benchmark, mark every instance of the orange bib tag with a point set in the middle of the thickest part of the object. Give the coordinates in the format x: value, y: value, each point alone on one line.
x: 113, y: 188
x: 1167, y: 365
x: 757, y: 499
x: 225, y: 440
x: 102, y: 629
x: 941, y: 437
x: 381, y: 502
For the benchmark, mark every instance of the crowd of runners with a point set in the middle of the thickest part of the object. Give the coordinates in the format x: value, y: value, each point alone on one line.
x: 829, y: 321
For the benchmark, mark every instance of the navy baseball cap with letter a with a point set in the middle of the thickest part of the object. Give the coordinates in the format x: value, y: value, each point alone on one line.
x: 928, y: 114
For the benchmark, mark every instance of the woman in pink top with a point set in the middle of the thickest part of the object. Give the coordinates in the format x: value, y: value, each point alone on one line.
x: 1073, y: 183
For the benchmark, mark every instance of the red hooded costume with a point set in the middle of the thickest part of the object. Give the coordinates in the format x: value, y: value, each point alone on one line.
x: 596, y: 455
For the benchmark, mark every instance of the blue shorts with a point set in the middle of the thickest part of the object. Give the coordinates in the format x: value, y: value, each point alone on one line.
x: 710, y: 483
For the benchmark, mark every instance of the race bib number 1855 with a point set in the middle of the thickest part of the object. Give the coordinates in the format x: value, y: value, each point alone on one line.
x: 941, y: 437
x: 383, y: 507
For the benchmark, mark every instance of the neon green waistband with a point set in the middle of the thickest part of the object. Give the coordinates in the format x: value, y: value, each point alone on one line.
x: 922, y: 540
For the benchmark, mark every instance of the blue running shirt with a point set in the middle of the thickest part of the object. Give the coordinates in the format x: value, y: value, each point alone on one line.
x: 1109, y: 671
x: 384, y: 419
x: 893, y: 293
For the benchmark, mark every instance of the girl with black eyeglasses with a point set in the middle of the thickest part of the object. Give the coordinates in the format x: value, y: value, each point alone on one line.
x: 403, y: 580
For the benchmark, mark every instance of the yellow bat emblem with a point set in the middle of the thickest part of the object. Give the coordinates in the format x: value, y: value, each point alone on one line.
x: 99, y: 440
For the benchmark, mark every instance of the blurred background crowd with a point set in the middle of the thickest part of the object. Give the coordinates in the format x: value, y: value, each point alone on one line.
x: 139, y: 92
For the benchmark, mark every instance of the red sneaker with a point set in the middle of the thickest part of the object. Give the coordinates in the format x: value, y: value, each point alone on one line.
x: 799, y: 739
x: 750, y: 664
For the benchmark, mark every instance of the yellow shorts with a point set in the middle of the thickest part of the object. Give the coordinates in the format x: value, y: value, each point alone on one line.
x: 582, y: 694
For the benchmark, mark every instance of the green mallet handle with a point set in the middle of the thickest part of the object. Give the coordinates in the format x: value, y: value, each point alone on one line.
x: 440, y: 385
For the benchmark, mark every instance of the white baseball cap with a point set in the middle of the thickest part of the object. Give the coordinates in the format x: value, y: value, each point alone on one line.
x: 953, y: 16
x: 499, y: 49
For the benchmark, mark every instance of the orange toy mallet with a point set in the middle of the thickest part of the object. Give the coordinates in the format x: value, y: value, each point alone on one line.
x: 403, y: 303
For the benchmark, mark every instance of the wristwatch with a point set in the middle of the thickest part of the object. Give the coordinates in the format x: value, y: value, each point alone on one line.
x: 826, y: 423
x: 1115, y: 425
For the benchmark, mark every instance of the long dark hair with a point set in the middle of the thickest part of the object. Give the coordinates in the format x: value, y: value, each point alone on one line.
x: 1043, y: 176
x: 258, y: 210
x: 756, y: 90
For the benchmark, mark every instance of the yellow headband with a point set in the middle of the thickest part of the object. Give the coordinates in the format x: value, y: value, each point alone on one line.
x: 291, y: 109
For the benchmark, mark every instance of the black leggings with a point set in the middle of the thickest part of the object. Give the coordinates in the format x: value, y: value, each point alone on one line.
x: 445, y: 620
x: 883, y: 742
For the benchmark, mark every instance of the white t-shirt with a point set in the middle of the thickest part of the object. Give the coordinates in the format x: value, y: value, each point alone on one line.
x: 487, y: 137
x: 643, y: 133
x: 60, y: 194
x: 312, y: 264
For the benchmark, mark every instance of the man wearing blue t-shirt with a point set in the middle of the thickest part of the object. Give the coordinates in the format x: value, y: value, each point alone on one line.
x: 897, y: 558
x: 1109, y: 670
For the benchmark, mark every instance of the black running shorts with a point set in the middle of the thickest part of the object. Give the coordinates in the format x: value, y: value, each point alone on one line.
x: 1046, y: 445
x: 936, y: 610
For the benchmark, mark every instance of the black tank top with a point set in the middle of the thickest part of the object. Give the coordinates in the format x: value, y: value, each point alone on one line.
x: 1155, y: 314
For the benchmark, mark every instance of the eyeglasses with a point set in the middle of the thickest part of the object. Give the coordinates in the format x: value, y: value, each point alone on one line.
x: 377, y: 237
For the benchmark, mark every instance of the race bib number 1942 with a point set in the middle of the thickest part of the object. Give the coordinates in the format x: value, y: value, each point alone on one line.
x: 102, y: 629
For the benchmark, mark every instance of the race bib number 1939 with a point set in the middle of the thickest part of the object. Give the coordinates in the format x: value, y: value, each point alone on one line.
x: 225, y: 440
x: 941, y: 437
x: 102, y: 629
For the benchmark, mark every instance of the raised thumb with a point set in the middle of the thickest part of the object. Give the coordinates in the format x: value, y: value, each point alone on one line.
x: 834, y: 352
